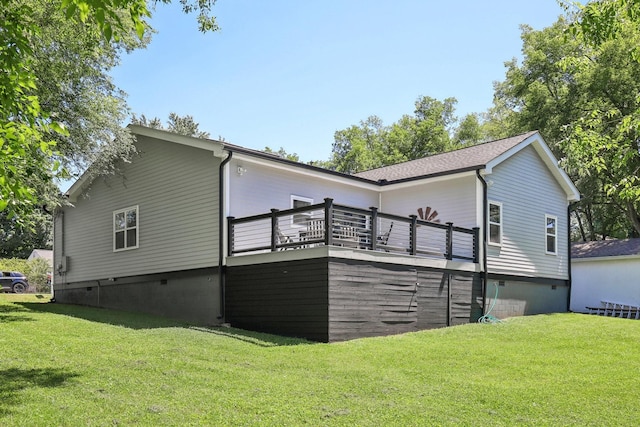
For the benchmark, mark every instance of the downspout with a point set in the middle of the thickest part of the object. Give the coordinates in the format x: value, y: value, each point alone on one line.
x: 221, y: 236
x: 569, y: 254
x: 485, y: 245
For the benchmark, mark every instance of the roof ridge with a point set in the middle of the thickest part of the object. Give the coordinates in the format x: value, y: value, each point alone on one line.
x: 437, y: 163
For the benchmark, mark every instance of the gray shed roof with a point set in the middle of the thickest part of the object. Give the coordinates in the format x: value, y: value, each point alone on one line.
x: 605, y: 248
x: 474, y: 157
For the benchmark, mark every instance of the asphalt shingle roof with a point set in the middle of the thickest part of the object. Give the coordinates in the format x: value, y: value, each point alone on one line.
x: 473, y: 157
x: 604, y: 248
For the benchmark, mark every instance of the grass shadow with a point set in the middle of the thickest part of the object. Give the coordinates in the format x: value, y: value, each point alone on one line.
x: 6, y: 315
x: 257, y: 338
x: 14, y: 380
x: 147, y: 321
x: 124, y: 319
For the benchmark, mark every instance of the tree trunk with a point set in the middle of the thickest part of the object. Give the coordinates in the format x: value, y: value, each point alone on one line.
x: 632, y: 213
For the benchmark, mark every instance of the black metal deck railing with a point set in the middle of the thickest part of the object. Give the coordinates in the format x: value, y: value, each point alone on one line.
x: 332, y: 224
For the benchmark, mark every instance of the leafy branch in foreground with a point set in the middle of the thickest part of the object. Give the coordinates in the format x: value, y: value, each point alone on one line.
x: 58, y: 107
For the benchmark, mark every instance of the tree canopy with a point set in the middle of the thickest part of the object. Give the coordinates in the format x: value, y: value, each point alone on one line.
x: 182, y: 125
x: 59, y: 109
x: 430, y: 130
x: 582, y: 99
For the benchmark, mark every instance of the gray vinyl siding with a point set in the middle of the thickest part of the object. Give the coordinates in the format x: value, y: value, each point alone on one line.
x: 454, y: 199
x: 260, y: 189
x: 176, y: 190
x: 528, y: 192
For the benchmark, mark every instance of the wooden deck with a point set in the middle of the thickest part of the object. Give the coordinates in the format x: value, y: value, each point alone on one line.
x: 338, y: 225
x: 330, y: 293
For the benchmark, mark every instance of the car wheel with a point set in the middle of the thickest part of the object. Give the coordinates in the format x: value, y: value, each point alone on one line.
x: 19, y: 288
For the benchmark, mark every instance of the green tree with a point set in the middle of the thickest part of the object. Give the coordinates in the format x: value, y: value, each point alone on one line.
x: 371, y: 144
x: 19, y: 238
x: 182, y: 125
x: 283, y: 154
x: 580, y: 98
x: 470, y: 131
x: 360, y: 147
x: 47, y: 49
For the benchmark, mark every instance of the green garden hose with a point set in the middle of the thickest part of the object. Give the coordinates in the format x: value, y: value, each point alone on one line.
x: 488, y: 318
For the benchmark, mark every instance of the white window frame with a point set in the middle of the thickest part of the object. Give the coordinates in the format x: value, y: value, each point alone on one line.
x: 554, y: 235
x: 499, y: 224
x: 136, y: 227
x: 295, y: 219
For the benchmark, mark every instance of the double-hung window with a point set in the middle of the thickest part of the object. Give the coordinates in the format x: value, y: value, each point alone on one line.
x: 125, y: 229
x: 495, y: 223
x: 551, y: 234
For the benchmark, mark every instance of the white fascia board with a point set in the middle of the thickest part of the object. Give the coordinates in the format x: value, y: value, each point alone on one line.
x: 301, y: 170
x: 215, y: 147
x: 535, y: 140
x: 426, y: 180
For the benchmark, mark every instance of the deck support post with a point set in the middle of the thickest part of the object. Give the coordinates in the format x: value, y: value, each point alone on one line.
x: 230, y: 233
x: 328, y: 221
x: 274, y: 227
x: 374, y: 227
x: 476, y: 244
x: 412, y: 239
x: 449, y: 253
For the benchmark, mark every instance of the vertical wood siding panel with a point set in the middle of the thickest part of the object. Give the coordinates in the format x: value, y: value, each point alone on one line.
x: 466, y: 299
x: 287, y: 298
x: 370, y: 299
x: 528, y: 191
x: 433, y: 299
x: 176, y: 190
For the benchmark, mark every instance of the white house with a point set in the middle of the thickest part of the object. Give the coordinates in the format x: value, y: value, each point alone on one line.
x: 208, y: 232
x: 45, y: 254
x: 605, y: 271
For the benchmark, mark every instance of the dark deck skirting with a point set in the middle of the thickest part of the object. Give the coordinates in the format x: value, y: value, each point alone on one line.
x: 333, y: 299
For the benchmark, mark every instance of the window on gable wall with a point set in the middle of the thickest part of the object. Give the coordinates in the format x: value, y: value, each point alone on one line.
x: 551, y: 234
x: 495, y: 223
x: 125, y: 229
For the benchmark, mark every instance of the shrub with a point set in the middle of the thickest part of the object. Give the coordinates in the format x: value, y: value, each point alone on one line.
x: 36, y: 271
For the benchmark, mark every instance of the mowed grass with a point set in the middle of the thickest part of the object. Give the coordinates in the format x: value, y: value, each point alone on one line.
x: 65, y: 365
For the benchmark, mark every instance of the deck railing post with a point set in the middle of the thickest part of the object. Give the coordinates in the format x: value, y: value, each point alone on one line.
x: 476, y: 245
x: 230, y: 234
x: 449, y: 253
x: 328, y: 221
x: 274, y: 227
x: 374, y: 227
x: 413, y: 234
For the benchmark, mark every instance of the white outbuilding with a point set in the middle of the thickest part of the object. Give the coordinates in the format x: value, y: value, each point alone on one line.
x: 605, y: 271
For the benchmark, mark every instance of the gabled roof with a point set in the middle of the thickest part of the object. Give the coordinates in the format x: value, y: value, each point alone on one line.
x: 482, y: 157
x: 478, y: 157
x: 463, y: 159
x: 605, y: 248
x: 46, y: 254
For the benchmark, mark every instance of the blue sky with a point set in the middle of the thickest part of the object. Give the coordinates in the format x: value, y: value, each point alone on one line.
x: 290, y: 73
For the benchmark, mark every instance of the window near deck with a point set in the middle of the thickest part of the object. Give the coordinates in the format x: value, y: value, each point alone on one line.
x: 495, y: 223
x: 551, y: 234
x: 300, y: 202
x: 125, y: 229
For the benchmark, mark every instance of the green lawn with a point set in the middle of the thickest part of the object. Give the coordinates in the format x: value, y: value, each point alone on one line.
x: 71, y: 366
